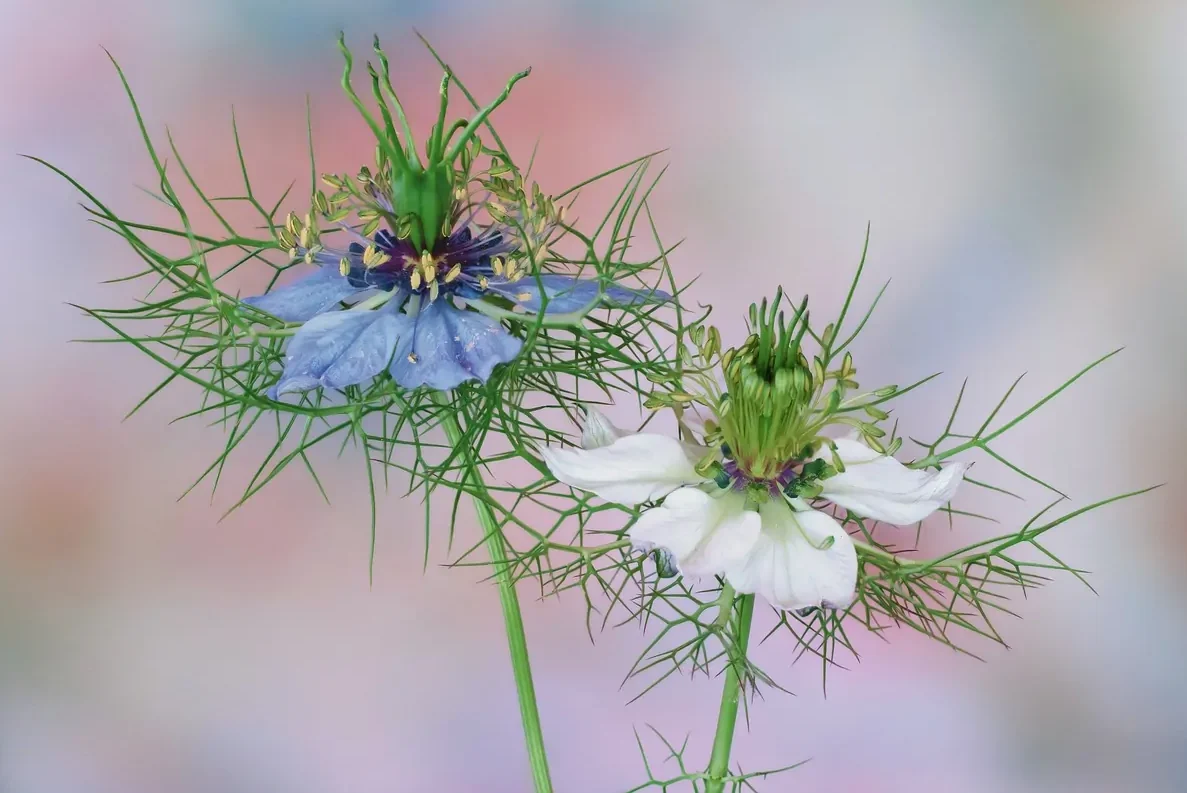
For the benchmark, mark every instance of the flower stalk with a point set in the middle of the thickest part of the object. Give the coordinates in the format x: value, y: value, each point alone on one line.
x: 731, y: 694
x: 517, y: 643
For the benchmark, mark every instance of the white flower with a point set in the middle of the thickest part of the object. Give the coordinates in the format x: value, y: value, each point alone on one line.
x: 793, y: 556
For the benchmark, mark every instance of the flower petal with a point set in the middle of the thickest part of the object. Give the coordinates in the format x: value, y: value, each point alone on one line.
x: 567, y: 294
x: 306, y: 298
x: 633, y: 469
x: 706, y: 533
x: 341, y: 348
x: 878, y: 486
x: 599, y: 431
x: 450, y: 346
x: 789, y: 566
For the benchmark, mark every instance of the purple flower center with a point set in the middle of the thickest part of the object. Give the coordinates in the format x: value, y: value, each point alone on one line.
x: 459, y: 261
x: 740, y: 480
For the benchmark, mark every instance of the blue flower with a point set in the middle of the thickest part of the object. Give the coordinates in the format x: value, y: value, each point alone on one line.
x: 419, y: 335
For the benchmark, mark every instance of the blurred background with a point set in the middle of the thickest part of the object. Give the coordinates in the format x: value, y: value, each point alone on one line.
x: 1023, y: 168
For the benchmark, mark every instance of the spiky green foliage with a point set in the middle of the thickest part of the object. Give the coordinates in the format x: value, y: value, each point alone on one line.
x: 685, y: 776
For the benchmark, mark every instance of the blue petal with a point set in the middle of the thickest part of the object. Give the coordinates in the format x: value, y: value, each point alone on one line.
x: 567, y: 294
x: 306, y: 298
x: 450, y: 346
x: 341, y: 348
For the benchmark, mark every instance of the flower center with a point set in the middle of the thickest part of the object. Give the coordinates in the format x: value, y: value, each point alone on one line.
x: 738, y: 479
x: 457, y: 262
x: 795, y: 479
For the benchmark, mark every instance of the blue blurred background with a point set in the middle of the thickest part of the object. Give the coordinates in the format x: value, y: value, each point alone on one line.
x: 1023, y: 167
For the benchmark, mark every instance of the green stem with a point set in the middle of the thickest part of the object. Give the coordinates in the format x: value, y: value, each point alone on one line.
x: 731, y: 694
x: 517, y: 641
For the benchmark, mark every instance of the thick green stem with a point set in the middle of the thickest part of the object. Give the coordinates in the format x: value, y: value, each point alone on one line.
x: 517, y: 641
x: 731, y: 694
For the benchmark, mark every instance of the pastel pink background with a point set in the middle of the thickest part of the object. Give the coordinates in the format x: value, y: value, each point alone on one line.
x: 1024, y: 168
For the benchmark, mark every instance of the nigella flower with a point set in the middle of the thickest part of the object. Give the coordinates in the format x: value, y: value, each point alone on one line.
x: 749, y: 506
x: 405, y: 302
x: 421, y: 333
x: 749, y: 531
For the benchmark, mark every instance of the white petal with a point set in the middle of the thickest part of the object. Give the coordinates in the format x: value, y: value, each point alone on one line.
x: 707, y: 533
x: 788, y: 567
x: 599, y: 431
x: 880, y: 487
x: 629, y: 471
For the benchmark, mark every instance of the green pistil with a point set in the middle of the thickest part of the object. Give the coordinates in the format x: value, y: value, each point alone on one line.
x: 764, y: 421
x: 423, y: 194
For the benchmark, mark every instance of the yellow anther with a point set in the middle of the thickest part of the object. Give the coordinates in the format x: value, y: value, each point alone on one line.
x: 414, y: 279
x: 413, y: 357
x: 344, y: 266
x: 524, y: 296
x: 373, y: 257
x: 293, y: 224
x: 483, y: 282
x: 496, y: 264
x: 430, y: 275
x: 453, y: 273
x: 459, y: 193
x: 434, y: 290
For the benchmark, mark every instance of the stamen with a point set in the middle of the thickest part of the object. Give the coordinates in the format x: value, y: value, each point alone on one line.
x: 496, y: 264
x: 434, y: 290
x: 344, y: 266
x: 453, y: 273
x: 373, y: 257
